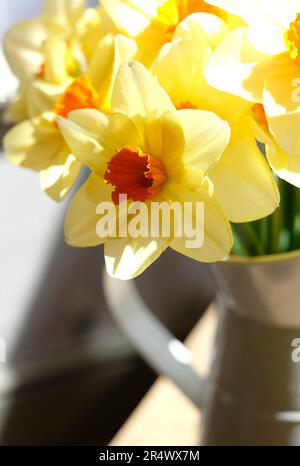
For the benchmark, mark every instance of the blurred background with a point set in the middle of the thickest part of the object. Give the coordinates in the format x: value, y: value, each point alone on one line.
x: 71, y: 377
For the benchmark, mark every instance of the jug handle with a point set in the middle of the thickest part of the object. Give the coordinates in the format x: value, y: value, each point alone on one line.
x: 150, y: 338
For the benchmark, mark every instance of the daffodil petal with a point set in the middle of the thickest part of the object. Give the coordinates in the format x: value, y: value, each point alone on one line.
x: 110, y: 54
x: 33, y: 144
x: 17, y: 109
x: 23, y: 47
x: 236, y: 67
x: 292, y: 172
x: 127, y: 258
x: 94, y: 26
x: 42, y: 97
x: 171, y: 65
x: 203, y: 28
x: 54, y: 52
x: 192, y: 88
x: 59, y: 178
x: 138, y: 95
x: 243, y: 181
x: 285, y: 166
x: 81, y: 220
x: 282, y: 104
x: 268, y: 20
x: 125, y: 51
x: 217, y: 232
x: 272, y: 11
x: 131, y: 16
x: 206, y: 137
x: 95, y: 137
x: 63, y: 12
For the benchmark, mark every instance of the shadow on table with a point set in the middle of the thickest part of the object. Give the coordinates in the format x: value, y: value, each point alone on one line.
x: 77, y: 378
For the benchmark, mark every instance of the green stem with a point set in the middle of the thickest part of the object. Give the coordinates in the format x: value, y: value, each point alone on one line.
x: 297, y: 222
x: 264, y: 232
x: 290, y: 207
x: 248, y: 236
x: 276, y: 229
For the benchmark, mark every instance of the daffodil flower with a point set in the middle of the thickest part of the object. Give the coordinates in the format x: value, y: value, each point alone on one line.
x: 154, y: 22
x: 286, y: 167
x: 261, y: 63
x: 46, y: 54
x: 37, y: 143
x: 243, y: 181
x: 109, y: 54
x: 52, y: 84
x: 147, y: 150
x: 27, y: 45
x: 42, y: 49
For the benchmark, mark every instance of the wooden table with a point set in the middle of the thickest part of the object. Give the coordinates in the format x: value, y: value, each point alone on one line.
x: 166, y: 416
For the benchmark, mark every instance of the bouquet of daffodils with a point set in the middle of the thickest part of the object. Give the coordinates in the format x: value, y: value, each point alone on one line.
x: 188, y: 104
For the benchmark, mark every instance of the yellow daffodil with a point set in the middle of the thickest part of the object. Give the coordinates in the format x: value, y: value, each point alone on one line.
x: 111, y: 52
x: 27, y: 46
x: 38, y: 144
x: 286, y: 167
x: 261, y: 63
x: 47, y: 50
x: 242, y: 179
x: 52, y: 84
x: 150, y: 152
x: 154, y: 22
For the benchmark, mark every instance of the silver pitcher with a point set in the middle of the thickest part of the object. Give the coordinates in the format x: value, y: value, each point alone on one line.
x: 252, y: 395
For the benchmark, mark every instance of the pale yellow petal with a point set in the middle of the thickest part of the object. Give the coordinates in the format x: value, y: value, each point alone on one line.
x: 282, y: 104
x: 95, y: 137
x: 17, y: 108
x: 111, y: 53
x: 63, y: 12
x: 55, y: 53
x: 93, y: 27
x: 42, y: 96
x: 285, y: 166
x: 100, y: 66
x: 242, y: 179
x: 138, y: 95
x: 291, y: 173
x: 23, y: 47
x: 205, y: 138
x: 81, y: 220
x: 59, y: 178
x: 131, y: 16
x: 275, y: 156
x: 268, y: 20
x: 125, y: 50
x: 33, y: 144
x: 202, y: 28
x: 217, y: 232
x: 170, y: 68
x: 191, y: 89
x: 272, y: 11
x: 129, y: 257
x: 236, y: 67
